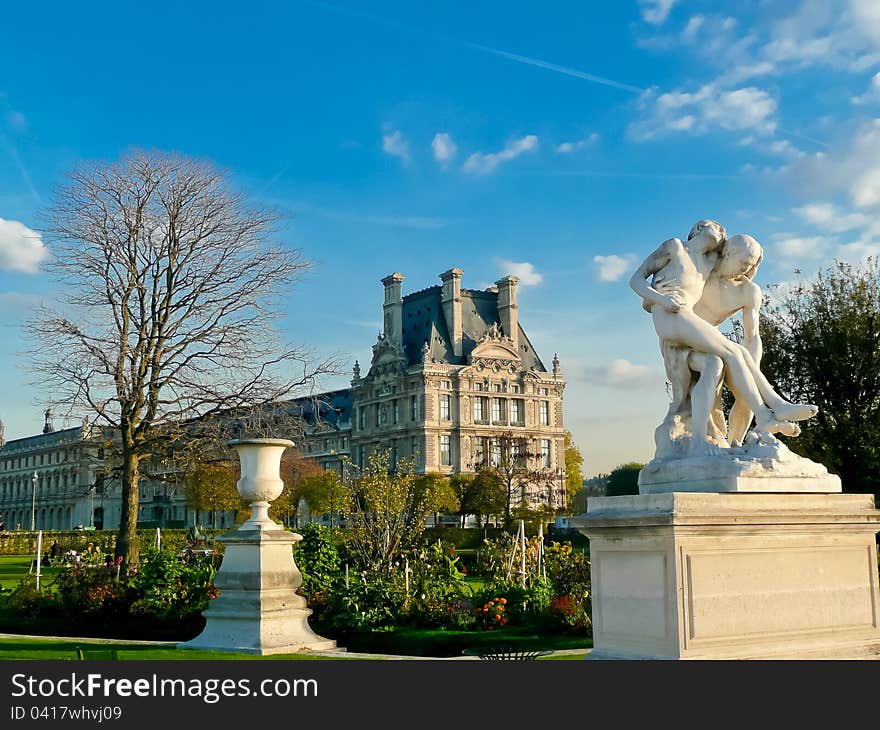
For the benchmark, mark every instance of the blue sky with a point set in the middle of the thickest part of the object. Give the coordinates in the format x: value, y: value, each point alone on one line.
x: 560, y: 143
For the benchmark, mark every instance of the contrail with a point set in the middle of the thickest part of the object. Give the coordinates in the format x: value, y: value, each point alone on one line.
x: 546, y: 65
x: 13, y: 153
x: 555, y: 67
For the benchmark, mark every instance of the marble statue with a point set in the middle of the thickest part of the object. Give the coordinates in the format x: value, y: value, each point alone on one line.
x: 690, y: 288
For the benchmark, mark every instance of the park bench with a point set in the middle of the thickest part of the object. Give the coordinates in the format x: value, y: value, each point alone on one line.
x: 505, y: 653
x: 93, y: 653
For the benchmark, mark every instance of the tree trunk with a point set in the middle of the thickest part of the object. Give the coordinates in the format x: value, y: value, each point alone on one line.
x: 127, y: 544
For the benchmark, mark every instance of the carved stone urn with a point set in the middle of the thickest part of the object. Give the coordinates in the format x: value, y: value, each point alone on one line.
x: 258, y: 610
x: 260, y: 482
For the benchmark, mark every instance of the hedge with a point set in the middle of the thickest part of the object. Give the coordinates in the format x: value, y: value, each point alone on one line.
x: 24, y: 542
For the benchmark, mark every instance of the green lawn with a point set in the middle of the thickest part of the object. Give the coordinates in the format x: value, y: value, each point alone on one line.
x: 27, y: 648
x: 447, y: 643
x: 14, y: 567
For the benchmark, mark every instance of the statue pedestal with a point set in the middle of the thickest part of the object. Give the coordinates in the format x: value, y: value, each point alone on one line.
x: 686, y: 575
x: 258, y: 610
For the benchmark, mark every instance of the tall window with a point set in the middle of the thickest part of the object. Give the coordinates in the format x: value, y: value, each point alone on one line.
x: 396, y: 411
x: 414, y: 447
x: 414, y: 408
x: 496, y: 453
x: 545, y: 453
x: 545, y: 413
x: 480, y: 450
x: 479, y: 408
x: 445, y: 450
x: 362, y: 418
x: 445, y: 407
x: 516, y: 411
x: 497, y: 410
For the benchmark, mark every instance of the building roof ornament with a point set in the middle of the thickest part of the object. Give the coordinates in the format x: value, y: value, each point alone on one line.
x: 49, y: 423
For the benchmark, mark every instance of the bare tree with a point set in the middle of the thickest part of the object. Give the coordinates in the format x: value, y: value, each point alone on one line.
x: 171, y: 285
x: 516, y: 465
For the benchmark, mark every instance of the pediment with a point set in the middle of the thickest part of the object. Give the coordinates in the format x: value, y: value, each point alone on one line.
x: 495, y: 350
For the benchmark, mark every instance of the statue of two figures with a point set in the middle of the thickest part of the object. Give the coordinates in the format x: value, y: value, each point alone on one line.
x: 690, y: 288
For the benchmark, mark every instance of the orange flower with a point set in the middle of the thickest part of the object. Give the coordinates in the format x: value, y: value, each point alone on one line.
x: 503, y: 601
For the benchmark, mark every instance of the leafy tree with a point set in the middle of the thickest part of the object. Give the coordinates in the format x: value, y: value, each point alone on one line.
x: 516, y: 466
x: 170, y: 287
x: 431, y: 493
x: 296, y: 470
x: 822, y: 346
x: 624, y: 479
x: 574, y: 475
x: 463, y: 487
x: 390, y: 504
x: 210, y: 487
x: 326, y: 493
x: 489, y: 494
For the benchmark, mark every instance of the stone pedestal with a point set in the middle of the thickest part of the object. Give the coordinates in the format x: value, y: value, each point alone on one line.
x: 258, y: 610
x: 734, y: 576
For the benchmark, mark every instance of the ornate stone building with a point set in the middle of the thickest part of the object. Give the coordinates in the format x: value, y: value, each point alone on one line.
x: 56, y: 477
x: 453, y: 375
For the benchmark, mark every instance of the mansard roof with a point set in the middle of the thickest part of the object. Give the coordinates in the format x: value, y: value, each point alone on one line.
x: 331, y: 409
x: 43, y: 440
x: 424, y: 321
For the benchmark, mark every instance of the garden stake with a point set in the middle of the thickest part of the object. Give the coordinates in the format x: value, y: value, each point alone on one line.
x: 39, y: 555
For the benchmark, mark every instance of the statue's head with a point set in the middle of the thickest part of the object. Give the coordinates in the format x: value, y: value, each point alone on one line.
x: 712, y: 229
x: 740, y: 257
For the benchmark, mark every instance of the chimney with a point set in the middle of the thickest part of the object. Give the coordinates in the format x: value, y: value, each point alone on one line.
x: 507, y: 309
x: 392, y: 309
x: 450, y: 298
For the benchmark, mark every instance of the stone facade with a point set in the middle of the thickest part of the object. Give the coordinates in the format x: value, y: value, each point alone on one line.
x: 452, y: 374
x: 69, y: 488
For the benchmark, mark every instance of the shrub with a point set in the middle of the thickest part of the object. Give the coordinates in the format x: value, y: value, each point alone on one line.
x: 172, y: 586
x: 437, y: 586
x: 318, y: 558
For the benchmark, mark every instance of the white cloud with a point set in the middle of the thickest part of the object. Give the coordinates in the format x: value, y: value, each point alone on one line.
x: 443, y: 146
x: 613, y: 267
x: 395, y: 145
x: 800, y: 247
x: 622, y: 373
x: 524, y: 270
x: 21, y: 249
x: 693, y: 25
x: 566, y: 148
x: 480, y: 163
x: 872, y: 95
x: 748, y: 109
x: 656, y: 11
x: 827, y: 217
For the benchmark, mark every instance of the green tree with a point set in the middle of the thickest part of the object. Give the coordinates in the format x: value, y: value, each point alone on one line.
x: 431, y: 493
x: 210, y: 487
x: 389, y: 507
x: 489, y: 494
x: 463, y: 487
x: 822, y: 346
x: 624, y: 479
x: 326, y: 493
x: 574, y: 475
